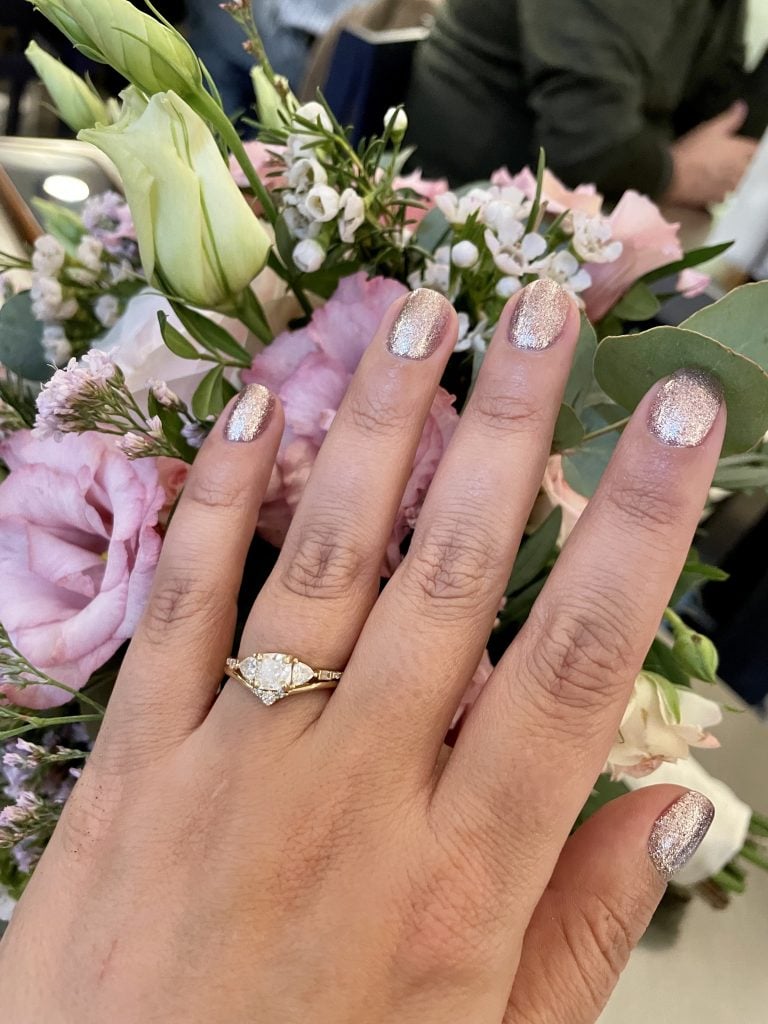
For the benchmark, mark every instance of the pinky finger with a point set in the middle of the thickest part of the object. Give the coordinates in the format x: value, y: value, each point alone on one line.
x: 607, y: 884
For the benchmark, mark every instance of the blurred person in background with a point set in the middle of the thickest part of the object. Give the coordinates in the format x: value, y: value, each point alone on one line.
x: 288, y: 29
x: 622, y: 93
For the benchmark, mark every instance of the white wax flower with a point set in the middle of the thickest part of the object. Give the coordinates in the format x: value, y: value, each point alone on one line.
x: 322, y: 203
x: 77, y: 102
x: 184, y: 202
x: 308, y: 256
x: 396, y: 121
x: 506, y: 287
x: 465, y: 255
x: 593, y: 239
x: 306, y: 173
x: 352, y: 215
x: 728, y: 831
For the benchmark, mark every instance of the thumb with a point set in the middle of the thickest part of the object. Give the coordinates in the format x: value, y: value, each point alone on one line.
x: 607, y: 884
x: 732, y: 119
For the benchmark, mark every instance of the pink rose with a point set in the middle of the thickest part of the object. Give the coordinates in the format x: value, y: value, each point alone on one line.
x: 585, y: 199
x: 78, y: 550
x: 649, y: 241
x: 427, y: 189
x: 310, y: 369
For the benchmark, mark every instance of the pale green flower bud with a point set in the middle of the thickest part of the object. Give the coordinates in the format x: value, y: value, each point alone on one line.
x: 696, y: 654
x: 197, y: 236
x: 276, y: 103
x: 396, y: 122
x: 77, y: 102
x: 151, y: 55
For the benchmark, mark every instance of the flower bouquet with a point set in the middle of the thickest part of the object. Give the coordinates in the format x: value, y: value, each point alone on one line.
x: 130, y: 326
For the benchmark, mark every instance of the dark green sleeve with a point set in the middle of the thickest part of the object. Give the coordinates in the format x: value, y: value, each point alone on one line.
x: 585, y: 65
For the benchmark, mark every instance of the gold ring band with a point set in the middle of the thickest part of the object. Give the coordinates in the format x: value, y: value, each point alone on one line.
x: 274, y: 676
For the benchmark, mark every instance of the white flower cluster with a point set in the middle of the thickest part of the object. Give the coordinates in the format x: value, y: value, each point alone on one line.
x: 492, y: 245
x: 313, y: 209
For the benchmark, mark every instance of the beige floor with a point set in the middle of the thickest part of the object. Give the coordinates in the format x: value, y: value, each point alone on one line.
x: 715, y: 969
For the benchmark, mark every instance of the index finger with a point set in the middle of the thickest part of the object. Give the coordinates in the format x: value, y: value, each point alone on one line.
x: 540, y: 734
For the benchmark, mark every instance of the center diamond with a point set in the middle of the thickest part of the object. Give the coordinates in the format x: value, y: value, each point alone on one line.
x: 269, y: 675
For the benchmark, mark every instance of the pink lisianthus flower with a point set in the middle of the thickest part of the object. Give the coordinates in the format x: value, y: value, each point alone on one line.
x: 559, y: 199
x: 649, y: 242
x: 310, y: 370
x: 692, y: 283
x: 427, y: 189
x: 78, y: 549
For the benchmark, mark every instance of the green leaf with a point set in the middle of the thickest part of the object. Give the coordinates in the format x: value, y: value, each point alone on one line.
x: 210, y: 335
x: 175, y: 340
x: 285, y: 243
x: 661, y: 661
x: 638, y: 304
x: 60, y: 222
x: 581, y: 381
x: 605, y: 790
x: 739, y: 321
x: 743, y: 472
x: 535, y: 209
x: 694, y: 258
x: 518, y: 607
x: 626, y: 367
x: 536, y: 552
x: 583, y: 469
x: 172, y: 428
x: 569, y: 430
x: 208, y: 399
x: 21, y: 339
x: 433, y: 231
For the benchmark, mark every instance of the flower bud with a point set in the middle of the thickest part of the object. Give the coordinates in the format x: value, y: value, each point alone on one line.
x: 697, y: 655
x: 77, y: 102
x: 274, y: 99
x: 308, y: 256
x: 396, y: 122
x: 197, y: 236
x: 465, y: 255
x: 151, y: 55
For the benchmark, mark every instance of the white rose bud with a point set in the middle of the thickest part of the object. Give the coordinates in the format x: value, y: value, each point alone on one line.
x: 197, y: 235
x: 308, y: 256
x: 465, y: 255
x: 396, y: 122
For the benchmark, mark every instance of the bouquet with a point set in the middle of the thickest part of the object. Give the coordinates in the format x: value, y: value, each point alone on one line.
x: 129, y: 327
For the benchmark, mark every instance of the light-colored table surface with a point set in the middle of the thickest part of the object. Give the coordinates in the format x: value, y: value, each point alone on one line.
x: 715, y: 969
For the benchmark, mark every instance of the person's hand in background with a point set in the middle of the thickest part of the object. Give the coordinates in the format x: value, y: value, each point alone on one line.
x: 710, y: 161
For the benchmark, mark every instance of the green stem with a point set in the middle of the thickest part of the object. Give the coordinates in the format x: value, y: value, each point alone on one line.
x: 754, y: 855
x: 609, y: 429
x: 676, y: 624
x: 725, y: 880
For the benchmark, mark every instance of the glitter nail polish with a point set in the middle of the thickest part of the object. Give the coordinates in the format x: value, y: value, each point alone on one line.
x: 419, y: 327
x: 685, y: 408
x: 679, y: 831
x: 539, y: 316
x: 250, y: 413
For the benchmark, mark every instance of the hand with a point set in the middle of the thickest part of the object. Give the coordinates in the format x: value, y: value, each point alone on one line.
x: 327, y: 860
x: 711, y: 160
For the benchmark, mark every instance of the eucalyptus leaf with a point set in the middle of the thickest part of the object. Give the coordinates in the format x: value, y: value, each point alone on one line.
x: 569, y: 430
x: 536, y: 552
x: 740, y: 321
x: 627, y: 367
x: 584, y: 468
x: 580, y: 384
x: 638, y: 304
x: 743, y: 472
x: 21, y: 340
x: 433, y: 231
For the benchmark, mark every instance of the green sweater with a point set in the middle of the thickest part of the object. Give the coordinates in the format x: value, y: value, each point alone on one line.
x: 603, y: 85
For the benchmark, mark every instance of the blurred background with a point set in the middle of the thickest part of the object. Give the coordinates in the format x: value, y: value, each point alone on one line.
x: 670, y: 99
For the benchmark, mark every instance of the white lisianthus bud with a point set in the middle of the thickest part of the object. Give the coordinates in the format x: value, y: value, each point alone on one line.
x: 507, y: 287
x: 151, y: 55
x: 184, y: 202
x: 352, y: 215
x: 77, y: 102
x: 308, y: 256
x: 396, y: 122
x: 465, y: 255
x: 48, y: 256
x: 322, y: 203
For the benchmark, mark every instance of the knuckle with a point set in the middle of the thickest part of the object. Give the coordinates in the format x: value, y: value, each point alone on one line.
x: 216, y: 489
x: 498, y: 409
x: 378, y: 412
x: 599, y: 941
x: 645, y: 503
x: 578, y: 659
x: 451, y: 564
x: 178, y: 599
x: 325, y: 563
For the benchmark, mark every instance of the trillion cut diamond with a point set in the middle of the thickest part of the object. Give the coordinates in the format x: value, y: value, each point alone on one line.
x: 301, y: 674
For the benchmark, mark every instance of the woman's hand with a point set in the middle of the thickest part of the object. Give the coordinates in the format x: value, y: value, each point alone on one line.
x: 327, y: 860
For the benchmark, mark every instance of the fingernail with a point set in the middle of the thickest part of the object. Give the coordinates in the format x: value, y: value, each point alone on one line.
x: 679, y: 831
x: 539, y: 316
x: 685, y: 408
x: 250, y: 413
x: 419, y: 327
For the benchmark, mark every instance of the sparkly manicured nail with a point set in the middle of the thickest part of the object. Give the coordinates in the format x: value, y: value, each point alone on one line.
x: 678, y: 833
x: 419, y: 327
x: 685, y: 408
x: 539, y: 316
x: 250, y: 413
